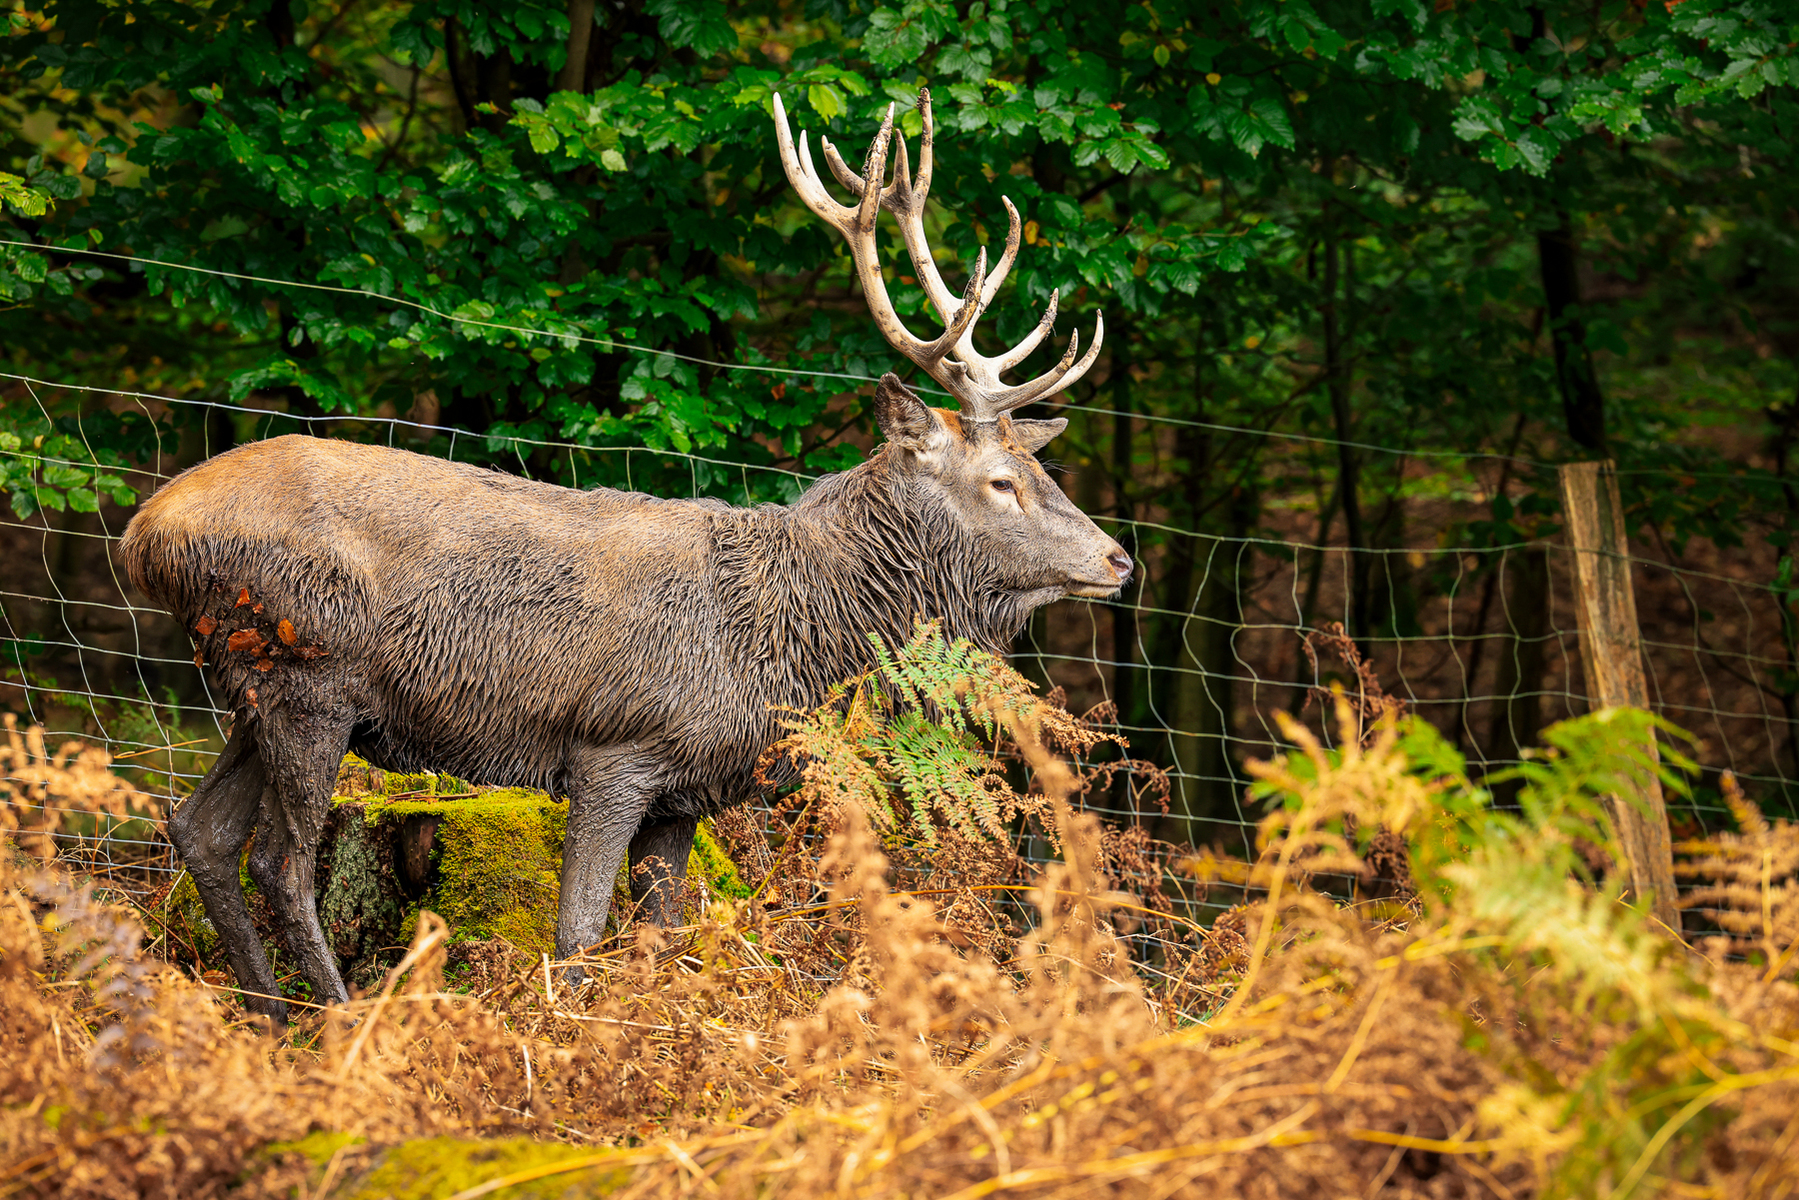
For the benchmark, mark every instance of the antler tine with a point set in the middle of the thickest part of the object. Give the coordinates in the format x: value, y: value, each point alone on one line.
x: 874, y: 169
x: 846, y: 175
x: 801, y: 174
x: 1006, y: 258
x: 971, y: 308
x: 922, y: 183
x: 898, y: 198
x: 907, y: 206
x: 894, y: 196
x: 1057, y: 378
x: 1022, y: 350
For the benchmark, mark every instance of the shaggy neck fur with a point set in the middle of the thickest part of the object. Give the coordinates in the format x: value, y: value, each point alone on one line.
x: 859, y: 553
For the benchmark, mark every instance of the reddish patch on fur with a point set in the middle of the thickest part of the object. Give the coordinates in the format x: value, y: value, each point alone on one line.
x: 246, y: 641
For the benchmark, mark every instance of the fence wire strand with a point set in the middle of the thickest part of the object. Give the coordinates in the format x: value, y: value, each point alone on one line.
x: 1481, y: 641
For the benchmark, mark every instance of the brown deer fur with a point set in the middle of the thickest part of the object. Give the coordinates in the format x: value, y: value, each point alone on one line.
x: 622, y: 650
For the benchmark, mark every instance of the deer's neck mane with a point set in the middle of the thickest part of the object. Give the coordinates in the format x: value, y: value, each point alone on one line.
x: 856, y: 554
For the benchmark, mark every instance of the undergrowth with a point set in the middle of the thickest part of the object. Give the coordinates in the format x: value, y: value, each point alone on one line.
x: 868, y: 1025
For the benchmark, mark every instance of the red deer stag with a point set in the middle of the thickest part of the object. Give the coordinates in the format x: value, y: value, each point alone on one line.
x: 618, y: 649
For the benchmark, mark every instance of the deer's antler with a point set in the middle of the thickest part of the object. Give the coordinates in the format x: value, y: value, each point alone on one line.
x: 950, y: 358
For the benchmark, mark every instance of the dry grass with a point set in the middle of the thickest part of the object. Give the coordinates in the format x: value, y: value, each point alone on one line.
x: 1517, y: 1031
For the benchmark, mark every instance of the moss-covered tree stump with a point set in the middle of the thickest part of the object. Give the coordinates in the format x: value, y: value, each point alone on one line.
x: 488, y: 860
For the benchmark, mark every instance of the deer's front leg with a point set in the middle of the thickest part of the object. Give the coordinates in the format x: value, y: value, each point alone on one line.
x: 608, y: 796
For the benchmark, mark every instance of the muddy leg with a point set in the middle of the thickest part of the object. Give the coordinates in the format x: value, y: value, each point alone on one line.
x: 210, y: 829
x: 606, y: 804
x: 301, y: 752
x: 657, y: 889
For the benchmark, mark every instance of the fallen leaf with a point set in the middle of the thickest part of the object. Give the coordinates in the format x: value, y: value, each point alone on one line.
x: 199, y: 658
x: 204, y: 626
x: 245, y: 640
x: 256, y: 608
x: 265, y: 664
x: 285, y: 631
x: 250, y: 695
x: 310, y: 652
x: 243, y: 597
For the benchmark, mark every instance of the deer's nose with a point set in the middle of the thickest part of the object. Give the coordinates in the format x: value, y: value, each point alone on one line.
x: 1121, y: 563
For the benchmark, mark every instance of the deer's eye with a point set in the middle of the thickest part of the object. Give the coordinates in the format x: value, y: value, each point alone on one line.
x: 1004, y: 487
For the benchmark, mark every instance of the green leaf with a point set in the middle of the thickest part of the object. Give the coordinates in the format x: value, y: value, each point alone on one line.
x: 892, y: 39
x: 699, y: 25
x: 826, y: 100
x: 1150, y: 154
x: 1121, y: 154
x: 22, y: 197
x: 542, y: 134
x: 31, y: 267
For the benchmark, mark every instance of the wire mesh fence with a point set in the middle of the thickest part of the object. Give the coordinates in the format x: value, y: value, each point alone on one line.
x: 1220, y: 630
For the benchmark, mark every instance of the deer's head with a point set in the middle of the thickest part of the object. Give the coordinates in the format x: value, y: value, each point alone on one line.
x: 978, y: 463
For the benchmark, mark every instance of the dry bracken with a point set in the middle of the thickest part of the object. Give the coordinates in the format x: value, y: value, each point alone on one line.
x: 1515, y: 1030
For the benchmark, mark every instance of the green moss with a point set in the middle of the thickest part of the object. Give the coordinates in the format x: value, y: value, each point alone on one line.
x: 499, y: 863
x: 425, y: 783
x: 497, y: 859
x: 318, y: 1147
x: 710, y: 863
x: 438, y: 1167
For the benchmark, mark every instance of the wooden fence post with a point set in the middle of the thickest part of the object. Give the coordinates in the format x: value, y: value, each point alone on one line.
x: 1611, y: 651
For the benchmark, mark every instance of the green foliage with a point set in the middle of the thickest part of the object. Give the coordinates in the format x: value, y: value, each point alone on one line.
x: 24, y: 199
x: 921, y: 743
x: 553, y: 228
x: 1550, y: 950
x: 46, y: 474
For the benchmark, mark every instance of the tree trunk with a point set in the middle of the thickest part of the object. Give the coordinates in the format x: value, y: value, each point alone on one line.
x: 1786, y: 437
x: 1125, y: 690
x: 1338, y: 300
x: 573, y: 76
x: 1583, y: 405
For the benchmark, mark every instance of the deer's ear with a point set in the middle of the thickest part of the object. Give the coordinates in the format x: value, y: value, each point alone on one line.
x: 905, y: 419
x: 1035, y: 435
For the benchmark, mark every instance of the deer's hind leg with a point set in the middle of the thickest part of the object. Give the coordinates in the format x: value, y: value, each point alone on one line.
x: 302, y: 747
x: 210, y: 830
x: 658, y: 855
